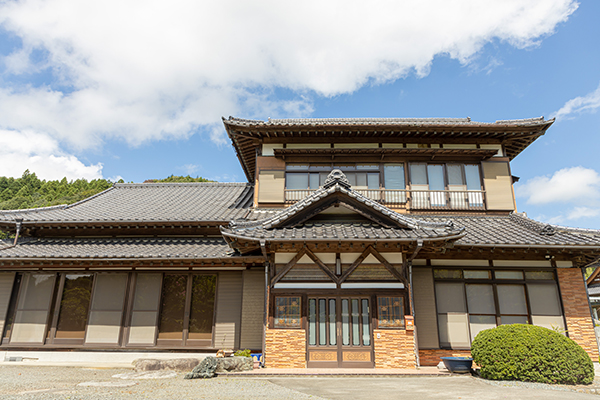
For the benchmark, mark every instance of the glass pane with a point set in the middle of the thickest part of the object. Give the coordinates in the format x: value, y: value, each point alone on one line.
x: 296, y: 167
x: 450, y: 297
x: 418, y: 174
x: 109, y: 292
x: 473, y: 274
x: 436, y: 177
x: 323, y: 178
x: 454, y: 330
x: 320, y: 167
x: 314, y: 181
x: 472, y: 176
x: 447, y: 273
x: 373, y: 180
x: 539, y: 275
x: 479, y: 323
x: 351, y: 178
x: 355, y: 323
x: 345, y: 167
x: 363, y: 167
x: 322, y: 322
x: 455, y: 176
x: 543, y: 299
x: 296, y: 181
x: 147, y: 290
x: 509, y: 274
x: 511, y: 299
x: 202, y: 306
x: 332, y: 327
x: 287, y: 312
x: 513, y: 319
x: 394, y: 176
x: 312, y: 323
x: 172, y: 307
x: 366, y: 332
x: 345, y: 323
x: 390, y: 312
x: 361, y: 179
x: 480, y: 299
x: 74, y: 306
x: 37, y: 291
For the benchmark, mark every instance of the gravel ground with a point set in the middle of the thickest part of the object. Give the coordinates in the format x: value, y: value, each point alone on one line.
x: 28, y: 382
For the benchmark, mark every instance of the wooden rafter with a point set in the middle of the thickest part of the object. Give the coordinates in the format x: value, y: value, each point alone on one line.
x: 389, y: 267
x: 321, y: 265
x: 356, y: 263
x: 289, y: 266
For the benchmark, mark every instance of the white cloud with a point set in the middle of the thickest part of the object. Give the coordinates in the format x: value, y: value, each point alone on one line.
x: 577, y: 185
x: 148, y: 70
x: 588, y: 103
x: 40, y: 154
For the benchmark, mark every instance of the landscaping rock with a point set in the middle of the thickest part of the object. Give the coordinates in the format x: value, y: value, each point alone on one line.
x: 234, y: 364
x: 174, y: 364
x: 206, y: 369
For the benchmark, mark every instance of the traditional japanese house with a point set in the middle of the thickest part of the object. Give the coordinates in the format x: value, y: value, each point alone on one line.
x: 382, y: 243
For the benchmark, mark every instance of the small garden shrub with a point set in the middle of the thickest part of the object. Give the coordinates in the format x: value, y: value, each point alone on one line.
x: 242, y: 353
x: 531, y: 353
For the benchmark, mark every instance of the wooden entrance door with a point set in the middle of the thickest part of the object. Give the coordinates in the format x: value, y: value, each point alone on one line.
x: 339, y: 332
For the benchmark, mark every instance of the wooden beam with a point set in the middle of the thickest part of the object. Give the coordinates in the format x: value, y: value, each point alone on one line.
x: 321, y: 265
x: 288, y: 266
x: 355, y: 264
x: 389, y: 267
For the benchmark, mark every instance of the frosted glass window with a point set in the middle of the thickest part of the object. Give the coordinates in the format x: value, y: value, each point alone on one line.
x: 345, y: 323
x: 436, y: 177
x: 366, y: 332
x: 543, y: 299
x: 109, y: 292
x: 355, y: 323
x: 314, y: 181
x: 322, y: 322
x: 450, y: 297
x: 296, y: 167
x: 361, y: 179
x: 472, y: 177
x: 351, y: 176
x: 147, y: 291
x: 479, y: 323
x: 373, y: 181
x: 480, y: 299
x: 296, y: 181
x: 476, y: 274
x: 394, y: 176
x: 454, y: 330
x: 37, y: 290
x: 455, y: 176
x: 539, y: 275
x: 312, y: 322
x: 367, y: 167
x: 332, y: 323
x: 513, y: 319
x: 509, y: 274
x: 511, y: 299
x: 418, y: 174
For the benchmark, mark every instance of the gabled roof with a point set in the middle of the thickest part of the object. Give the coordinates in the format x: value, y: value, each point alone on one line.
x: 146, y: 202
x: 294, y: 222
x: 246, y: 135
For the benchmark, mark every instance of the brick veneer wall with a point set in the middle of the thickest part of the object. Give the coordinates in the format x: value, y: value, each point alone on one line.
x: 577, y: 310
x: 394, y: 349
x: 285, y: 348
x: 431, y: 357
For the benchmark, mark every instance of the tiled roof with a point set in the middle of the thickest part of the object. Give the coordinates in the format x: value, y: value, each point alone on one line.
x: 105, y: 248
x: 147, y: 202
x: 336, y: 189
x: 343, y: 231
x: 246, y: 135
x: 380, y: 121
x: 491, y: 230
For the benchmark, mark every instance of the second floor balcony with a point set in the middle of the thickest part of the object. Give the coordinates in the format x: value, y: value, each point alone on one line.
x: 467, y: 200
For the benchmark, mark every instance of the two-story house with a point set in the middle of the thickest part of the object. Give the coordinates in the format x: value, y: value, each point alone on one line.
x: 381, y: 243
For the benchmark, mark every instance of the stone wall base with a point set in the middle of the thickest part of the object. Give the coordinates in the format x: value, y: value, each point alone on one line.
x: 394, y: 348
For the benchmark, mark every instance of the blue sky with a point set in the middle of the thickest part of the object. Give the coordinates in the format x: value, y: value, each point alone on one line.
x: 102, y: 89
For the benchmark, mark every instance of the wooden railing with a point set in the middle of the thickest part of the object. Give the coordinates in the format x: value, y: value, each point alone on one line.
x: 412, y: 199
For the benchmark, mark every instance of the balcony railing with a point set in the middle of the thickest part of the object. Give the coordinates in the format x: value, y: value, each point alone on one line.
x: 412, y: 199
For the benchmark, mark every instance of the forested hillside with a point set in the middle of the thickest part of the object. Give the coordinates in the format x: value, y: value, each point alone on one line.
x: 29, y: 191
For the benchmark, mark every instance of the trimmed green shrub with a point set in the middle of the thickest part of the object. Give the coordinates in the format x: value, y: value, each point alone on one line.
x: 532, y: 354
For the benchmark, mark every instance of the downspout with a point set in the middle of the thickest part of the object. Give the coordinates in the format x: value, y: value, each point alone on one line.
x: 263, y: 248
x: 412, y: 298
x: 19, y: 223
